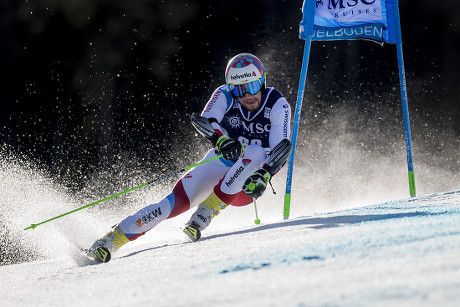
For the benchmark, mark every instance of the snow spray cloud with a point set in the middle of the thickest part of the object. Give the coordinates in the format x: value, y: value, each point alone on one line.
x: 28, y: 195
x: 23, y: 192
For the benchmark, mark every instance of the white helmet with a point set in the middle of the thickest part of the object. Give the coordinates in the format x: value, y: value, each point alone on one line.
x: 245, y: 73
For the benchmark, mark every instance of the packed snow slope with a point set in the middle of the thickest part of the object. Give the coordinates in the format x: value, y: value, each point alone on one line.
x: 398, y: 253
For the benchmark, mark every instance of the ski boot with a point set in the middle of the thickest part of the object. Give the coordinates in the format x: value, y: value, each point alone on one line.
x: 202, y: 217
x: 103, y: 248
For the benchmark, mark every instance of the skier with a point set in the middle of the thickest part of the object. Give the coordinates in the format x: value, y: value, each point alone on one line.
x: 249, y: 125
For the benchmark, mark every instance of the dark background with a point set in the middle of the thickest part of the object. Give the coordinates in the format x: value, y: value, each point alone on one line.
x: 83, y: 82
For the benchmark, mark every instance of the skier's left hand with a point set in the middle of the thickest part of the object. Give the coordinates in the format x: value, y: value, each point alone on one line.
x: 229, y: 148
x: 256, y: 184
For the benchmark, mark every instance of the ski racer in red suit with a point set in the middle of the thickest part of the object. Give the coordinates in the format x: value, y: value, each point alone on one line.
x: 245, y: 121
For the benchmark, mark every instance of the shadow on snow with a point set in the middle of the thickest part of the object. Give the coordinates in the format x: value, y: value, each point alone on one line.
x: 310, y: 222
x: 324, y: 222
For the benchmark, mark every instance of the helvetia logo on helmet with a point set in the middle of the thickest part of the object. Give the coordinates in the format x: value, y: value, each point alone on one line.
x: 245, y: 75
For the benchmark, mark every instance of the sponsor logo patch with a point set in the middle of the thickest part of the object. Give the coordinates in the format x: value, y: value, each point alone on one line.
x: 286, y: 123
x: 267, y: 112
x: 245, y: 75
x: 149, y: 217
x: 234, y: 121
x: 237, y: 173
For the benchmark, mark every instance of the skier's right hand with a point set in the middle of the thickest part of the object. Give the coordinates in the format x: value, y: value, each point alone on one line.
x: 256, y: 184
x: 229, y: 148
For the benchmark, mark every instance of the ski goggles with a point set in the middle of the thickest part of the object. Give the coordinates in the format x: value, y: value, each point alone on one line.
x: 252, y: 87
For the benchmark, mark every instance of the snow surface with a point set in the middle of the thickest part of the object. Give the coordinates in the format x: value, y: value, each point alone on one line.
x: 397, y: 253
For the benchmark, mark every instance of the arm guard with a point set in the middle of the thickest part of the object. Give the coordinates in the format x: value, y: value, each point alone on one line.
x: 203, y: 126
x: 278, y: 157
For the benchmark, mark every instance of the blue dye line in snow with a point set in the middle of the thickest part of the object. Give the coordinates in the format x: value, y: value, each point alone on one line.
x: 243, y: 267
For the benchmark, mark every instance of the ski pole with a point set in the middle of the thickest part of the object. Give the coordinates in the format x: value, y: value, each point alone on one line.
x: 256, y: 221
x: 32, y: 226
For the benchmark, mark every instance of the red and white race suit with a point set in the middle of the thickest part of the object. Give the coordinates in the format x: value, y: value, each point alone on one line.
x: 258, y: 131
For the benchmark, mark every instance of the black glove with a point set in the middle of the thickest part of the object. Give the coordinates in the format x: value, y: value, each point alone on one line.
x: 229, y: 148
x: 256, y: 184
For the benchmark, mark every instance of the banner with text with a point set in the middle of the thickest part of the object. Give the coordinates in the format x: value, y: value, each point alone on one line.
x: 353, y: 19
